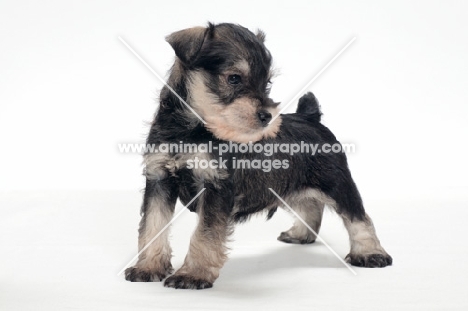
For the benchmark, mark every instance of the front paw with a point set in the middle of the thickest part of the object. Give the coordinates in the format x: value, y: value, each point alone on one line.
x: 369, y: 260
x: 186, y: 282
x: 135, y: 274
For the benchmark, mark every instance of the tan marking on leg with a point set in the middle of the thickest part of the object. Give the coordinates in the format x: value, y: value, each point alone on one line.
x: 157, y: 257
x: 312, y: 215
x: 207, y: 251
x: 362, y: 236
x: 310, y: 209
x: 155, y: 164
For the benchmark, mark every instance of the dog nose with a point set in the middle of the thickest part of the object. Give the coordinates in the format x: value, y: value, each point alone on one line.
x: 264, y: 117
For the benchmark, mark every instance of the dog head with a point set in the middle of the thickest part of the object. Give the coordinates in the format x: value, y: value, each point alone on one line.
x: 227, y: 69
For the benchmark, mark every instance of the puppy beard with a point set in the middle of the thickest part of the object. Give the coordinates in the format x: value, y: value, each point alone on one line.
x: 237, y: 121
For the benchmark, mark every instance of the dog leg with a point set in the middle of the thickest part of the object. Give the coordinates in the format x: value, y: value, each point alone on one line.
x: 207, y: 251
x: 154, y: 263
x: 311, y: 211
x: 366, y: 250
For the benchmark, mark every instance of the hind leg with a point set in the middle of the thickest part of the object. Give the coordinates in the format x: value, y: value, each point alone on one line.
x: 311, y: 211
x: 366, y: 250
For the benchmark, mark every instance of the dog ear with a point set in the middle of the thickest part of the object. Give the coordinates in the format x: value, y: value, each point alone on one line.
x: 187, y: 42
x: 260, y: 35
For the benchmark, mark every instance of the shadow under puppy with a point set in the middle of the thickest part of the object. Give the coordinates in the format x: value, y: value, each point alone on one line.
x: 223, y: 73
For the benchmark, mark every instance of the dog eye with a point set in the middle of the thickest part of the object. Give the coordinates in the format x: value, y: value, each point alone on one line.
x: 234, y: 79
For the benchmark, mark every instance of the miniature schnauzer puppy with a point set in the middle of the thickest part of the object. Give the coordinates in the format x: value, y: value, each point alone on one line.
x: 222, y: 72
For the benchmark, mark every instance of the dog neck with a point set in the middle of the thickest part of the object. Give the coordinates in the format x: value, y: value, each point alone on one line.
x: 173, y: 118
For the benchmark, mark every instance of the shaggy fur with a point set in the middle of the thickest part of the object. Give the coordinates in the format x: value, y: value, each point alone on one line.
x: 223, y: 72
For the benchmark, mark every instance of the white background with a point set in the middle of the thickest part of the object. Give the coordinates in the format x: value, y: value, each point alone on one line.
x: 70, y: 92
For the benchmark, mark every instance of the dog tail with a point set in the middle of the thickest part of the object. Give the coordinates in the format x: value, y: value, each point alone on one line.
x: 308, y: 104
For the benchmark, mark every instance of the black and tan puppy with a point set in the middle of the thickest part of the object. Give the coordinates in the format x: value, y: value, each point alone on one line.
x: 223, y: 73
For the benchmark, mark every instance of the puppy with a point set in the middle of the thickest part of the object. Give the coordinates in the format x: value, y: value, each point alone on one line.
x: 222, y: 74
